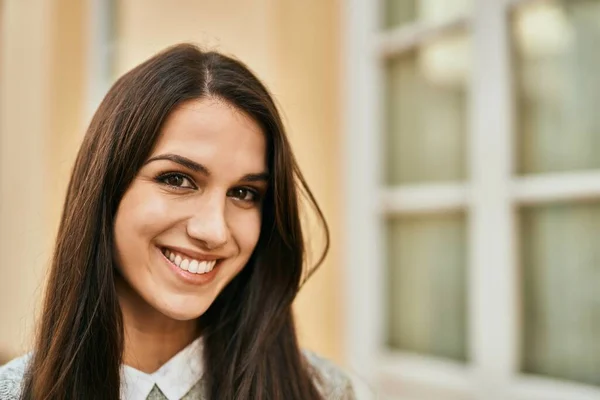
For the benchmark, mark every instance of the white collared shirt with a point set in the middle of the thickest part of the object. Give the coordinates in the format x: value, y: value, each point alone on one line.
x: 174, y: 379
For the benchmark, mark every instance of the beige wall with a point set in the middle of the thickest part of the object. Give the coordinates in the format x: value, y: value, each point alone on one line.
x: 244, y: 28
x: 41, y: 93
x: 308, y: 53
x: 293, y: 47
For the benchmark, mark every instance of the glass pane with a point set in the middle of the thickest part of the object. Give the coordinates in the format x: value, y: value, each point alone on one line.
x: 427, y: 285
x: 561, y: 268
x: 558, y: 85
x: 399, y: 12
x: 426, y: 114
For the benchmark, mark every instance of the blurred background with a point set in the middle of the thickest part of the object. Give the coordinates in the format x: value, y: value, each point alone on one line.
x: 454, y: 146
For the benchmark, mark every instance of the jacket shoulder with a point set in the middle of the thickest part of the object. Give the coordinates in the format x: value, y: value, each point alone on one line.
x: 11, y: 378
x: 331, y: 381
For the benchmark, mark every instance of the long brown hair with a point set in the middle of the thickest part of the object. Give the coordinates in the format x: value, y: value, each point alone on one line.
x: 250, y: 342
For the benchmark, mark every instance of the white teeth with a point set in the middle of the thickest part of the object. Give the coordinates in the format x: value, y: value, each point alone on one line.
x: 203, y: 267
x: 184, y: 264
x: 190, y: 265
x: 193, y: 266
x: 210, y: 265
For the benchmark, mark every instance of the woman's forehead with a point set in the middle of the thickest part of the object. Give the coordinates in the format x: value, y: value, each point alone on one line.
x: 214, y: 132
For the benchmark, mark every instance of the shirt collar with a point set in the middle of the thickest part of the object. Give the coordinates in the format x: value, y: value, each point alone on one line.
x: 174, y: 379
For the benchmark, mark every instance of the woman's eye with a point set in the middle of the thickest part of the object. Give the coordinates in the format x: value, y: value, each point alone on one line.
x: 177, y: 180
x: 244, y: 194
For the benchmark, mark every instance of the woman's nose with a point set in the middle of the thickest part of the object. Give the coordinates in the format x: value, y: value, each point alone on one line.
x: 208, y: 224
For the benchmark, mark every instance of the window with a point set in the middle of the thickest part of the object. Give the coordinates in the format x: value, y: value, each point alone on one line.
x: 473, y: 197
x: 102, y: 44
x: 558, y: 133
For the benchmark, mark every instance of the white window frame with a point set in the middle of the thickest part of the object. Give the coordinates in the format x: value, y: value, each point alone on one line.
x: 101, y: 51
x: 491, y: 197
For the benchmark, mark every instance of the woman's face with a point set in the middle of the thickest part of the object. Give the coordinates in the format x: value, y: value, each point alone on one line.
x: 191, y: 218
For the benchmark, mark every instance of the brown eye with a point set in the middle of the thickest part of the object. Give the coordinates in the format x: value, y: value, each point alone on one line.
x: 243, y: 194
x: 176, y: 180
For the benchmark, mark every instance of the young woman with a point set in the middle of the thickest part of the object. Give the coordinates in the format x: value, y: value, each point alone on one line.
x: 180, y: 249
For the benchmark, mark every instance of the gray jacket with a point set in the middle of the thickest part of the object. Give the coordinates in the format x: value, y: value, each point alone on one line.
x: 333, y: 385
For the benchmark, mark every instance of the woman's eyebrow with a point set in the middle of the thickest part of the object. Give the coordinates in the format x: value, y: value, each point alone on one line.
x: 197, y: 167
x: 184, y: 161
x: 261, y: 177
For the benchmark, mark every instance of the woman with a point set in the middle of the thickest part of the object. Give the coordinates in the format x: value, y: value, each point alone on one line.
x: 180, y: 249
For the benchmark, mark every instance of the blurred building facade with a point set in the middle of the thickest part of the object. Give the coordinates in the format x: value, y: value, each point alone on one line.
x: 475, y: 197
x: 453, y: 144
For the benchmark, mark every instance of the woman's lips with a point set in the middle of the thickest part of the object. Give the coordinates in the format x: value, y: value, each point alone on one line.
x: 189, y: 264
x: 200, y: 276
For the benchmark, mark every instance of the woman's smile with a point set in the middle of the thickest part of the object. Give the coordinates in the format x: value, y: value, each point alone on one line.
x: 193, y: 269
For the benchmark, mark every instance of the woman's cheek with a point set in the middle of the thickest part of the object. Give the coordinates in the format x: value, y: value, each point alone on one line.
x: 251, y: 231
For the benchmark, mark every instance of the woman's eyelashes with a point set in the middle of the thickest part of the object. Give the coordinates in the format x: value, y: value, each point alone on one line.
x: 176, y: 180
x: 245, y: 194
x: 181, y: 181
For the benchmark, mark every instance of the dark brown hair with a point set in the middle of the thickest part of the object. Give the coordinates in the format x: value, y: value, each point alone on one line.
x: 250, y: 341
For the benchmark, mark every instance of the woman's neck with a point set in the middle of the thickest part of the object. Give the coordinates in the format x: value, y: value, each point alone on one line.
x: 151, y: 338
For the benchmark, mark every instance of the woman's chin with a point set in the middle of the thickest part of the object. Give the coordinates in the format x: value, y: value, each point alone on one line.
x: 183, y: 312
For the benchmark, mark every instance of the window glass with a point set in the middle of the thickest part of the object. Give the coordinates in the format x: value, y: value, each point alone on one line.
x: 427, y: 285
x: 557, y: 85
x: 561, y: 286
x: 400, y: 12
x: 426, y: 113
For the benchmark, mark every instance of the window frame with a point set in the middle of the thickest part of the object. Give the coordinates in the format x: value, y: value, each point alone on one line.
x: 101, y: 17
x: 491, y: 197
